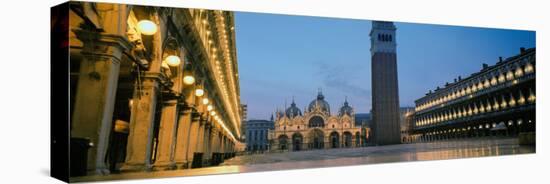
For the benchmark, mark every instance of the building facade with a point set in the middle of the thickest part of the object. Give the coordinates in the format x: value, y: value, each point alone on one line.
x: 405, y: 120
x: 385, y: 93
x: 152, y: 88
x: 257, y: 134
x: 244, y: 116
x: 316, y: 128
x: 364, y: 120
x: 497, y: 100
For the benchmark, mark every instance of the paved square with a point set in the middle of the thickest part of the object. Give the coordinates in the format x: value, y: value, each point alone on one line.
x: 342, y: 157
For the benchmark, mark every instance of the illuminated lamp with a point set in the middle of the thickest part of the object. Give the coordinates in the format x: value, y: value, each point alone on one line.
x: 188, y: 80
x: 147, y: 27
x: 199, y: 92
x: 172, y: 60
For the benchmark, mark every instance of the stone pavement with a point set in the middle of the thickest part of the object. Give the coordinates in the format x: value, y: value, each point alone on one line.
x: 342, y: 157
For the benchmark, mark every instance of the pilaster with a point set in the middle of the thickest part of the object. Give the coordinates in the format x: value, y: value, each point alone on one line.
x: 95, y: 93
x: 140, y: 138
x: 182, y: 137
x: 167, y: 136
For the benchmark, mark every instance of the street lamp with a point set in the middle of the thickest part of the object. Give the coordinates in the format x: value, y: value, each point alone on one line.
x: 172, y: 60
x: 209, y: 107
x: 188, y: 79
x: 199, y: 92
x: 147, y: 27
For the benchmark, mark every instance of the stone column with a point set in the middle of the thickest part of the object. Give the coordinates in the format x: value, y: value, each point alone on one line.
x: 223, y: 144
x: 207, y: 133
x: 167, y: 137
x: 216, y: 143
x: 182, y: 137
x: 200, y: 137
x: 212, y: 144
x: 212, y: 140
x: 193, y: 138
x: 96, y: 90
x: 140, y: 138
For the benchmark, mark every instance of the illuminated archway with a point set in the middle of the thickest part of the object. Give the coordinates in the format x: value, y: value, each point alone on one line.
x: 334, y: 140
x: 283, y: 141
x: 347, y: 139
x: 297, y: 140
x: 316, y: 139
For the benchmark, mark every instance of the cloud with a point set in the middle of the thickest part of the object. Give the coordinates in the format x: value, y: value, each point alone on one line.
x: 341, y: 78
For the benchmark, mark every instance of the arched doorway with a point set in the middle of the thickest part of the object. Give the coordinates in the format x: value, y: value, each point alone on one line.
x: 283, y: 141
x: 334, y: 140
x: 347, y: 139
x: 297, y: 140
x: 357, y: 139
x: 317, y: 139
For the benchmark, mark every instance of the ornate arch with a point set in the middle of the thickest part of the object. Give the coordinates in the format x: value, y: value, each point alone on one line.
x: 316, y: 138
x: 316, y: 121
x: 347, y: 139
x: 334, y: 139
x: 283, y: 141
x: 297, y: 141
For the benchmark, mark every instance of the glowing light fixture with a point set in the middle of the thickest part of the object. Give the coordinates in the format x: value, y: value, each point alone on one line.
x: 209, y: 107
x: 212, y: 113
x: 205, y: 101
x: 147, y: 27
x: 172, y: 60
x: 188, y: 79
x: 199, y: 92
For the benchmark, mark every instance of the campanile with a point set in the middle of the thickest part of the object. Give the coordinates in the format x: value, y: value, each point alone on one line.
x: 385, y: 93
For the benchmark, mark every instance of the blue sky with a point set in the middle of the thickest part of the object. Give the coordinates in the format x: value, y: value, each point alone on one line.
x: 283, y: 56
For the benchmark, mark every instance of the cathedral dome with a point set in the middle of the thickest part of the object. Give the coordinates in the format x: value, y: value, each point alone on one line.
x: 293, y: 111
x: 346, y: 109
x: 319, y: 104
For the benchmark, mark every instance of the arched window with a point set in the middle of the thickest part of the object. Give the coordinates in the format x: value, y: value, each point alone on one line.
x: 316, y: 121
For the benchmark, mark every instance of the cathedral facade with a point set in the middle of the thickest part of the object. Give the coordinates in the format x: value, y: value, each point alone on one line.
x: 316, y: 128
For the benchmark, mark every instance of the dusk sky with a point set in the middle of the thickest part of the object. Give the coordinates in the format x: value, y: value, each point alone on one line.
x: 282, y: 56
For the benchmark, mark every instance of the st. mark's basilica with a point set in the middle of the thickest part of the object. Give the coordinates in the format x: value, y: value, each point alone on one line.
x: 316, y: 128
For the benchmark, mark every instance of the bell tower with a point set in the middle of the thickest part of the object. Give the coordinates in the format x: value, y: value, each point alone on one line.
x: 385, y: 92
